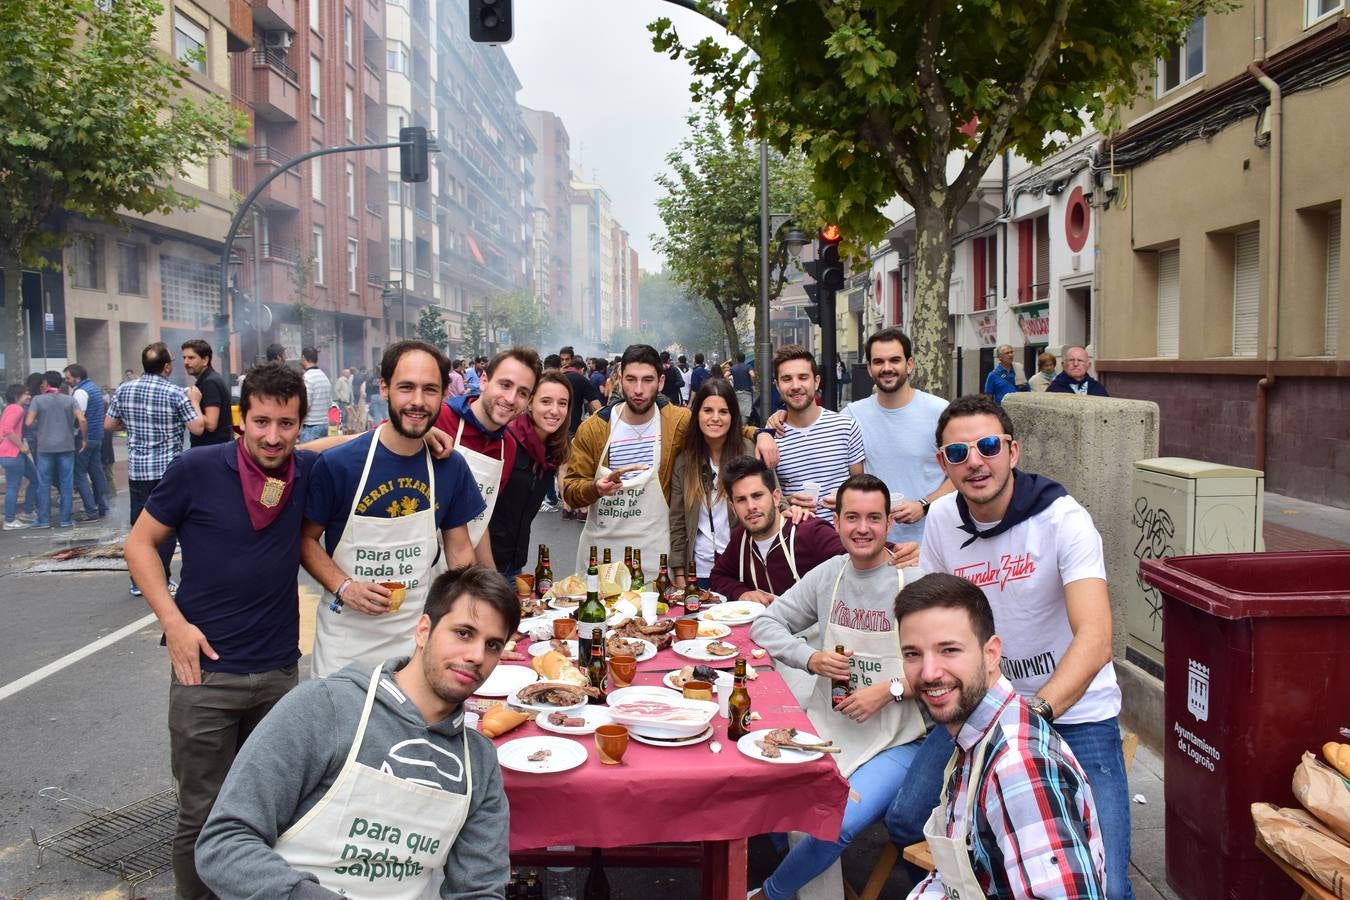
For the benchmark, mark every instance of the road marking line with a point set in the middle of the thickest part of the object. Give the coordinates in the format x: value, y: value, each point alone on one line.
x: 70, y: 659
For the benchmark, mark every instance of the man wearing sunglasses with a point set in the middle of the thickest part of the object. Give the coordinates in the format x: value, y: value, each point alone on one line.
x: 1037, y: 555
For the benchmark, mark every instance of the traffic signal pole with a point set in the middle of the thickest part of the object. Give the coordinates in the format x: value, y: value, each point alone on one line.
x: 828, y: 348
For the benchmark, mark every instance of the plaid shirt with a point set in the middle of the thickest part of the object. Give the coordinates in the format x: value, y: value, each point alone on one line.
x: 1035, y: 832
x: 155, y: 411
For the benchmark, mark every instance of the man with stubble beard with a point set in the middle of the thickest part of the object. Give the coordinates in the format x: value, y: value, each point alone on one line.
x: 368, y: 783
x: 389, y: 513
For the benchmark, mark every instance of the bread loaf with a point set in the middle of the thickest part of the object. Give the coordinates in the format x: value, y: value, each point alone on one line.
x: 500, y: 719
x: 554, y: 666
x: 1338, y: 755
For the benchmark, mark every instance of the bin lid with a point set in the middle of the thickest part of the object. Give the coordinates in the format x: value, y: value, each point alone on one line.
x: 1291, y: 584
x: 1195, y: 468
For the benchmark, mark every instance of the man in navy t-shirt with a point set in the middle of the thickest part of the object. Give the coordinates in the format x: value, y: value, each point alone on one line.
x: 233, y: 629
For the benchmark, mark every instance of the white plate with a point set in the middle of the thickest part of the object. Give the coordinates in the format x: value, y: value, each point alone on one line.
x: 595, y: 716
x: 713, y: 630
x: 545, y: 707
x: 565, y: 603
x: 737, y: 612
x: 696, y: 649
x: 506, y: 680
x: 668, y: 680
x: 648, y: 648
x: 747, y: 746
x: 566, y: 754
x: 681, y: 742
x: 539, y: 648
x: 545, y: 618
x: 639, y: 692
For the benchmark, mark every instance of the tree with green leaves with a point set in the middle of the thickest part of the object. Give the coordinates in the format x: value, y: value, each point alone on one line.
x: 92, y: 121
x: 431, y: 327
x: 880, y: 95
x: 711, y: 214
x: 475, y: 334
x: 521, y: 314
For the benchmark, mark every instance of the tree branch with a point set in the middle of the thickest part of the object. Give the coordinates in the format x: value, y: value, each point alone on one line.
x: 932, y: 93
x: 878, y: 131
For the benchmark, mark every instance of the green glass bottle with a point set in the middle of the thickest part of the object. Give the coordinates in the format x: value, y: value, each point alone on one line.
x: 591, y: 613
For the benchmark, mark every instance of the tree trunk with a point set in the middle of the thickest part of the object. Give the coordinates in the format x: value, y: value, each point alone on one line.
x: 932, y: 280
x: 14, y: 342
x: 729, y: 325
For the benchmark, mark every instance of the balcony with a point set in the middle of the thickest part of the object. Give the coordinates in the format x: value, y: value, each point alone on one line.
x: 239, y: 32
x: 276, y: 15
x: 284, y: 192
x: 276, y: 88
x: 371, y: 83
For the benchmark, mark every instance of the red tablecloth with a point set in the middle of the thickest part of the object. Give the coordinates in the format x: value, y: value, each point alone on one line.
x: 679, y: 793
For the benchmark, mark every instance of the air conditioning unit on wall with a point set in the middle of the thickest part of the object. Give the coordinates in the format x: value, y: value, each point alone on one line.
x: 278, y: 40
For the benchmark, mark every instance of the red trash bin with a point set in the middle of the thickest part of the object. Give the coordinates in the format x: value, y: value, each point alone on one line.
x: 1256, y: 671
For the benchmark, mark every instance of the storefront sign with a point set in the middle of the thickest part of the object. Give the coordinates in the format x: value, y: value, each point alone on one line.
x: 1035, y: 323
x: 986, y: 328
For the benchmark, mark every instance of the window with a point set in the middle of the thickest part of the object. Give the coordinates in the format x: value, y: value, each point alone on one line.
x: 1320, y: 9
x: 86, y: 261
x: 316, y: 177
x: 314, y: 16
x: 352, y: 250
x: 1246, y: 291
x: 351, y: 190
x: 347, y: 35
x: 396, y: 57
x: 317, y: 251
x: 349, y: 112
x: 393, y: 192
x: 1169, y: 301
x: 131, y: 269
x: 395, y: 256
x: 984, y: 255
x: 189, y: 42
x: 1033, y: 259
x: 1332, y: 314
x: 315, y: 76
x: 1185, y: 61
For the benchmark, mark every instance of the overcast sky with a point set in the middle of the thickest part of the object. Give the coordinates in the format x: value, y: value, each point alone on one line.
x: 591, y: 62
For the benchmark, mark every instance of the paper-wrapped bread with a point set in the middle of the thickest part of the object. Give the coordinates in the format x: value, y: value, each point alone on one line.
x: 500, y: 719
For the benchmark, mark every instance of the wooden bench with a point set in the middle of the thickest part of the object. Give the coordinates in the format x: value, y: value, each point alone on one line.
x: 1311, y: 889
x: 918, y: 855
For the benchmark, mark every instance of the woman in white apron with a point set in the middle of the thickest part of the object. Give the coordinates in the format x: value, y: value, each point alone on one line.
x: 374, y: 870
x: 637, y: 515
x: 351, y: 636
x: 875, y: 754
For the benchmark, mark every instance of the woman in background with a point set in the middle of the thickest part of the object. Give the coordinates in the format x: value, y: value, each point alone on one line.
x: 1045, y: 372
x: 15, y: 460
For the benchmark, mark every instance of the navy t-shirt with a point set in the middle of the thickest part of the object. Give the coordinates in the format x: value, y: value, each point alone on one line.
x: 238, y: 585
x: 396, y: 486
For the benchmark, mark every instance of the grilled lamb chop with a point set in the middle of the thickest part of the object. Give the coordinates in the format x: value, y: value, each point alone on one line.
x: 619, y: 646
x: 564, y: 720
x: 787, y: 737
x: 768, y: 748
x: 719, y: 648
x: 539, y: 755
x: 556, y: 693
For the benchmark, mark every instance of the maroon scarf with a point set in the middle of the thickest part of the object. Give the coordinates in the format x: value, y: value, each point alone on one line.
x: 265, y: 493
x: 523, y: 430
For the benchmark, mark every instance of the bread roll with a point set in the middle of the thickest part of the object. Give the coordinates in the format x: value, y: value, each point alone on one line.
x: 554, y: 666
x: 500, y: 719
x: 1338, y: 755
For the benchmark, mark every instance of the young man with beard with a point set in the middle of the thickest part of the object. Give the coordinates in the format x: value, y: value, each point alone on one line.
x: 232, y: 636
x: 817, y: 446
x: 623, y: 458
x: 370, y: 780
x: 1017, y: 819
x: 388, y: 512
x: 877, y: 726
x: 219, y: 427
x: 1038, y: 556
x: 504, y: 393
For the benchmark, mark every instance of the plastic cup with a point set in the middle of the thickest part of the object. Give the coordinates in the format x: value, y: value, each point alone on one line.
x: 397, y: 591
x: 649, y: 599
x: 610, y: 742
x: 812, y: 490
x: 686, y: 629
x: 723, y: 689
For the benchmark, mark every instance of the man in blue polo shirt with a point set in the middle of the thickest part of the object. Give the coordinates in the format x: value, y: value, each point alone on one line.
x: 233, y: 629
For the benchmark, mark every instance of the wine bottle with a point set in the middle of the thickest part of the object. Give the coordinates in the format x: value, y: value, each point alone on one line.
x: 591, y: 613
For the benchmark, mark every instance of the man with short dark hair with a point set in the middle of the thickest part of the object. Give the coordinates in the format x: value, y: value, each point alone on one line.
x: 232, y: 637
x: 1017, y: 817
x: 699, y: 374
x: 90, y: 483
x: 672, y: 381
x: 216, y: 405
x: 380, y: 743
x: 743, y: 383
x: 819, y: 448
x: 54, y: 418
x: 320, y: 396
x: 586, y: 397
x: 276, y: 353
x: 155, y: 413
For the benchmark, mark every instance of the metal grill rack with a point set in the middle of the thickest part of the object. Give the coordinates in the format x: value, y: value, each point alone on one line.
x: 133, y: 842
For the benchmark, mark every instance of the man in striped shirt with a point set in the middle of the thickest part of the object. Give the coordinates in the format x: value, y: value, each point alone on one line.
x: 1017, y: 817
x: 818, y: 446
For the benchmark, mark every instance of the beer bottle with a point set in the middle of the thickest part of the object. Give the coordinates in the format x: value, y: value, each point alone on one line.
x: 839, y: 687
x: 662, y: 581
x: 609, y: 560
x: 543, y: 573
x: 738, y: 704
x: 639, y: 578
x: 691, y: 598
x: 597, y: 883
x: 595, y: 668
x: 591, y: 613
x: 628, y: 559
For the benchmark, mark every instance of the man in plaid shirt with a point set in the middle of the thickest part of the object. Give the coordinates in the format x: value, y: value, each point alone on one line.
x: 1017, y: 818
x: 155, y: 412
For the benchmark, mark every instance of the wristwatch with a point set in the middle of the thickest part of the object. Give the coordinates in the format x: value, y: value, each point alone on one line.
x: 897, y: 690
x: 923, y: 501
x: 1041, y: 707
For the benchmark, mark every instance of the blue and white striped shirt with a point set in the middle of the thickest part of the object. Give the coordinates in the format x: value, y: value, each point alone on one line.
x: 821, y: 452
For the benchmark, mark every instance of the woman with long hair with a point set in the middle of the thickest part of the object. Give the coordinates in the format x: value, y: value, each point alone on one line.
x: 14, y: 459
x: 542, y: 447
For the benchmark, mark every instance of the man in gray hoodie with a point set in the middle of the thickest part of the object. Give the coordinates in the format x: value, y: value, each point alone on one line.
x: 368, y: 781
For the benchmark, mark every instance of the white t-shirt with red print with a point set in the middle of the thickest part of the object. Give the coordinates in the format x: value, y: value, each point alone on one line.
x: 1023, y: 572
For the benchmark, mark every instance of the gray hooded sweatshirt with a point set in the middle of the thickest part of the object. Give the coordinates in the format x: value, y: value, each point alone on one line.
x: 294, y: 756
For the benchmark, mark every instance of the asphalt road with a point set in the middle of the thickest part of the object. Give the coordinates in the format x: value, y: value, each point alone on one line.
x: 95, y: 729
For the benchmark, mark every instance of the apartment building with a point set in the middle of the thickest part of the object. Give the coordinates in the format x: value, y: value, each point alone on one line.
x: 552, y: 165
x: 589, y: 203
x: 1221, y: 246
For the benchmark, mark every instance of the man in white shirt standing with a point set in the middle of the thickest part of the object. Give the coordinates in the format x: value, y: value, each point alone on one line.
x: 1037, y: 555
x: 320, y: 391
x: 897, y: 423
x: 819, y: 448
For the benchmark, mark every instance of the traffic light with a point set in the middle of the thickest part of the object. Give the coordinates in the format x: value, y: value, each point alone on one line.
x: 829, y: 268
x: 412, y: 154
x: 241, y: 310
x: 490, y: 21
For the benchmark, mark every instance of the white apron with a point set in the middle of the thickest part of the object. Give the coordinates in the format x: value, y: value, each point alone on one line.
x: 789, y: 550
x: 404, y: 548
x: 952, y: 855
x: 637, y: 515
x: 375, y: 835
x: 875, y: 660
x: 487, y: 474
